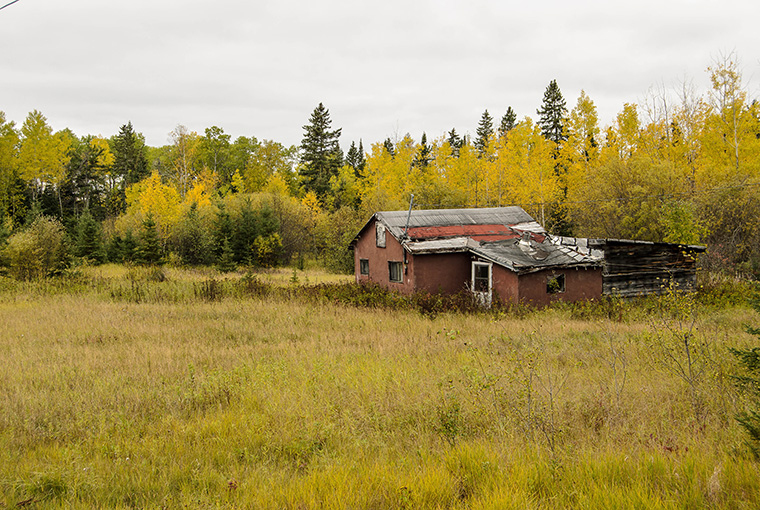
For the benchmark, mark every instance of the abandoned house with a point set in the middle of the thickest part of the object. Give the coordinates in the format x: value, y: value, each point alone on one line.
x: 503, y: 253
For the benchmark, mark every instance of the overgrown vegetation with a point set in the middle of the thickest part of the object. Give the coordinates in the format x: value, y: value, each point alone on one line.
x: 170, y: 387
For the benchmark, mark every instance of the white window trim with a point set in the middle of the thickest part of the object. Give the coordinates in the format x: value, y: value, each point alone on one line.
x: 484, y: 297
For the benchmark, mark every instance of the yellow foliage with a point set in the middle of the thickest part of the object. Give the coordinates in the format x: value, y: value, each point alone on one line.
x: 311, y: 202
x: 151, y: 197
x: 106, y: 158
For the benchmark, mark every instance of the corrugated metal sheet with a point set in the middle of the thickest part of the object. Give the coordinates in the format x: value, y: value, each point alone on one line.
x: 479, y: 232
x: 522, y: 257
x: 449, y: 245
x: 396, y: 221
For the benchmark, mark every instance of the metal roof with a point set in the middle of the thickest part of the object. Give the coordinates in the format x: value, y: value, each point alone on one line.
x: 396, y: 221
x: 522, y: 256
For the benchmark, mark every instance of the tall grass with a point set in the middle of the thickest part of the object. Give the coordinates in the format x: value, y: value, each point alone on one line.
x: 128, y: 390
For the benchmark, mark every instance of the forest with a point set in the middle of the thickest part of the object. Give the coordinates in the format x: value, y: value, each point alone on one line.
x: 678, y: 167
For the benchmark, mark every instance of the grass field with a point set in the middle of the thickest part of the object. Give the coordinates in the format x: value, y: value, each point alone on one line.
x: 120, y: 388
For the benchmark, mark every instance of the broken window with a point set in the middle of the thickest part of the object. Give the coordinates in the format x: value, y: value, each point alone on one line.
x: 481, y: 278
x: 363, y: 266
x: 555, y: 283
x: 395, y: 272
x: 380, y: 235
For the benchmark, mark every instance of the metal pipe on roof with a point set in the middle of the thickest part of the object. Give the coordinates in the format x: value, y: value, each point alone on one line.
x: 409, y: 216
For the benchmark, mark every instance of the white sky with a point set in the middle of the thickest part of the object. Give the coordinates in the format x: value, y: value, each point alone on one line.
x: 383, y: 69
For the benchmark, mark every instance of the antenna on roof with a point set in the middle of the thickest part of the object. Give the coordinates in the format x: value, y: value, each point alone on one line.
x: 408, y: 216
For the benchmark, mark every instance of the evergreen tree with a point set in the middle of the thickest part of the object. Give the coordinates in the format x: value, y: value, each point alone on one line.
x: 321, y: 157
x: 749, y: 383
x: 423, y: 157
x: 226, y: 262
x: 455, y: 142
x: 223, y: 231
x: 82, y: 188
x: 89, y: 241
x: 388, y: 145
x: 115, y: 249
x: 150, y: 244
x: 355, y: 158
x: 484, y: 132
x: 246, y: 230
x: 507, y: 122
x: 129, y: 151
x: 130, y: 250
x: 552, y: 114
x: 191, y: 240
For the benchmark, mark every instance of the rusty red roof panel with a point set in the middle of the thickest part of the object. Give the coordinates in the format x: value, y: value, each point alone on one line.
x: 476, y: 232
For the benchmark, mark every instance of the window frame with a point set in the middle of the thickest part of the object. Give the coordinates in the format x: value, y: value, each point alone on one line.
x: 399, y: 269
x: 364, y: 267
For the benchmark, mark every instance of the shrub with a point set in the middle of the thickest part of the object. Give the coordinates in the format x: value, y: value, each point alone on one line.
x: 38, y: 251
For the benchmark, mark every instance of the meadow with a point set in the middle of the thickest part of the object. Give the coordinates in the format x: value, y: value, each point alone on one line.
x: 141, y: 388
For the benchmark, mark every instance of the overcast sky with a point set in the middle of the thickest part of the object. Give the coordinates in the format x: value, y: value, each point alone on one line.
x: 382, y: 69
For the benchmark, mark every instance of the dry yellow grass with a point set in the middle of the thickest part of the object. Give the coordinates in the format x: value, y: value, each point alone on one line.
x: 267, y: 402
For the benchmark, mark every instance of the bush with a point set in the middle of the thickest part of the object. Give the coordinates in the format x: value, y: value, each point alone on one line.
x: 38, y: 251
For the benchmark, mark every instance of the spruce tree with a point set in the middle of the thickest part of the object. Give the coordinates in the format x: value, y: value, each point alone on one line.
x: 321, y: 157
x: 388, y: 146
x: 362, y: 158
x: 355, y: 158
x: 89, y: 242
x: 226, y: 262
x: 552, y: 114
x: 130, y: 160
x: 422, y: 158
x: 484, y: 132
x: 150, y: 244
x: 507, y: 122
x: 455, y: 142
x: 130, y: 250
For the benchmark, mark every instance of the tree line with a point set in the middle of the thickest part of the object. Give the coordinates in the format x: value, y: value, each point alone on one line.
x: 680, y: 170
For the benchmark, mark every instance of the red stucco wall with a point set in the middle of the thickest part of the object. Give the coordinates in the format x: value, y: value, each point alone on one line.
x: 580, y: 284
x: 505, y: 285
x: 366, y: 248
x: 447, y: 273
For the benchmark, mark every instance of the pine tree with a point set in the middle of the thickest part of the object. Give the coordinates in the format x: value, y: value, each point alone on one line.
x: 362, y: 158
x: 455, y: 142
x: 355, y: 158
x: 422, y: 158
x: 89, y: 241
x: 388, y: 145
x: 150, y: 244
x: 484, y: 132
x: 552, y: 114
x: 226, y: 262
x: 321, y: 157
x: 130, y: 251
x: 130, y: 160
x: 507, y: 122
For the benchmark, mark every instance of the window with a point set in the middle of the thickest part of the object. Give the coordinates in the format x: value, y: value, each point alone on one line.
x: 395, y: 272
x: 380, y: 235
x: 555, y: 284
x: 481, y: 277
x: 363, y: 266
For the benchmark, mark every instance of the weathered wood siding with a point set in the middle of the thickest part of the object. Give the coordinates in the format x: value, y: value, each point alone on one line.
x: 635, y: 268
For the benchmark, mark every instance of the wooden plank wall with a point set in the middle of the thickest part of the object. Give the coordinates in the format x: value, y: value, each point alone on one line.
x: 637, y: 269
